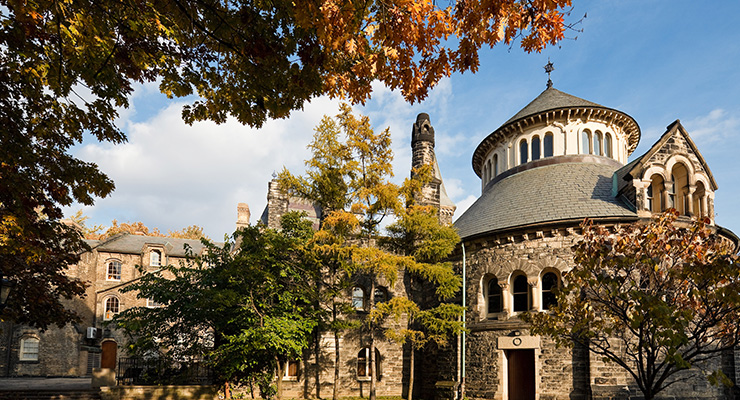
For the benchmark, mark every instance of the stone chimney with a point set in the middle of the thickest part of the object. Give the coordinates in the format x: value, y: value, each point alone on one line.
x: 242, y: 215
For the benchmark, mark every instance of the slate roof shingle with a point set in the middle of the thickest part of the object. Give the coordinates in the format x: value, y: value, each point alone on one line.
x: 133, y: 244
x: 549, y: 193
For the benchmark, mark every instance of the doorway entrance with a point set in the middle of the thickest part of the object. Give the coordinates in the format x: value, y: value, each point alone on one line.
x: 108, y: 357
x: 521, y: 371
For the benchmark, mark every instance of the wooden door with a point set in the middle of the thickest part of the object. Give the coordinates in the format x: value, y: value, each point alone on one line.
x: 108, y: 358
x: 521, y: 374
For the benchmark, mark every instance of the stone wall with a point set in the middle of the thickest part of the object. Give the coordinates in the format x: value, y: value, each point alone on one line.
x: 560, y: 373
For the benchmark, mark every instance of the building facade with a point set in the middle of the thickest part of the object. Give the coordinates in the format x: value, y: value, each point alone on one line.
x: 77, y: 349
x: 559, y: 160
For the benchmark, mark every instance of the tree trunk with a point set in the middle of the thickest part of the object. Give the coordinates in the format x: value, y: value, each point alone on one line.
x: 227, y: 390
x: 411, y: 373
x: 335, y: 392
x: 371, y: 357
x: 279, y: 381
x: 317, y: 355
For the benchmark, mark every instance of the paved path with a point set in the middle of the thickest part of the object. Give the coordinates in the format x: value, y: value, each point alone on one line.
x: 44, y: 383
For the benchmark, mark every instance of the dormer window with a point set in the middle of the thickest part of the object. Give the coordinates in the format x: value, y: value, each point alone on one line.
x: 155, y: 258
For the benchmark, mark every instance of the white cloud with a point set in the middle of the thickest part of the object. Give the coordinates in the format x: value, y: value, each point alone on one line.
x: 170, y: 175
x: 715, y: 126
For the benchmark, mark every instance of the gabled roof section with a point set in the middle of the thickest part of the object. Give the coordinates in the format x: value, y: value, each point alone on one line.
x: 675, y: 128
x: 133, y: 244
x: 551, y: 99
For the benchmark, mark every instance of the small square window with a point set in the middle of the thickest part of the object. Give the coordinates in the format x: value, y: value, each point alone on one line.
x: 151, y: 303
x: 292, y: 368
x: 29, y: 349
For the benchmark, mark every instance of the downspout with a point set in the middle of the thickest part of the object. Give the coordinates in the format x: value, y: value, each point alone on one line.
x: 464, y: 296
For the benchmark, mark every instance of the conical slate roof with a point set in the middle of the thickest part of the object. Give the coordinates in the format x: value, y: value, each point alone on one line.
x: 551, y: 99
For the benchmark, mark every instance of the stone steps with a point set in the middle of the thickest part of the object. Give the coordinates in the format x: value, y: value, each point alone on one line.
x: 89, y: 394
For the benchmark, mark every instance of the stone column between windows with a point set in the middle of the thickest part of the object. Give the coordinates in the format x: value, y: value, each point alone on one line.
x: 505, y: 297
x: 669, y: 196
x: 533, y: 286
x: 690, y: 200
x: 641, y: 198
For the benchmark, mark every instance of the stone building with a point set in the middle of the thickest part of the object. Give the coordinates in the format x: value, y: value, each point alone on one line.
x: 557, y: 161
x: 77, y: 349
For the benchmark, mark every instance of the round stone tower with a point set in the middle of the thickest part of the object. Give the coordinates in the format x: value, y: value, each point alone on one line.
x: 559, y: 160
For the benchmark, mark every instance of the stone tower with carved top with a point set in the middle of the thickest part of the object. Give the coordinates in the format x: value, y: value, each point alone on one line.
x: 422, y: 148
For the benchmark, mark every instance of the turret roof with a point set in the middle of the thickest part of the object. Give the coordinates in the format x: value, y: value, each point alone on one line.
x: 551, y: 99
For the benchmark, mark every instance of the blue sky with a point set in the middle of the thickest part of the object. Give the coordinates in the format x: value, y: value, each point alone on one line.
x: 657, y: 61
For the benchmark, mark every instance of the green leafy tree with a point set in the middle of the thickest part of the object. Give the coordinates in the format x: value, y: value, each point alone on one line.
x: 350, y: 180
x: 654, y: 298
x: 68, y: 67
x: 419, y: 234
x: 244, y: 308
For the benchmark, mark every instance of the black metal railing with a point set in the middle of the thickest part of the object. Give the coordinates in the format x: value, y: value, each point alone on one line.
x: 136, y: 371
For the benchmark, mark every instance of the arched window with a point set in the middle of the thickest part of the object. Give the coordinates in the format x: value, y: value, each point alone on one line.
x: 608, y: 145
x: 655, y: 194
x: 535, y: 148
x: 495, y: 165
x: 523, y: 156
x: 112, y: 307
x: 363, y: 364
x: 681, y: 189
x: 114, y: 270
x: 488, y: 171
x: 521, y: 293
x: 550, y: 281
x: 597, y: 144
x: 493, y: 298
x: 586, y: 142
x: 549, y: 147
x: 358, y: 298
x: 155, y: 258
x: 381, y: 295
x: 29, y: 350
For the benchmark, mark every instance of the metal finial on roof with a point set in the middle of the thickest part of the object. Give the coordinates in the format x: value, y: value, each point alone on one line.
x: 274, y: 174
x: 549, y: 68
